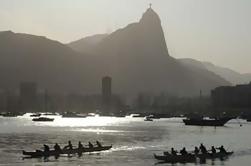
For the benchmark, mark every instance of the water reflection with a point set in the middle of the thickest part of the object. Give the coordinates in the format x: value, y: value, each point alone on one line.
x: 134, y: 140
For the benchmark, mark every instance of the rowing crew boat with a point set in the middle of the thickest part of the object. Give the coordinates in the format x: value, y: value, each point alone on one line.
x: 176, y: 158
x: 191, y: 157
x: 39, y: 153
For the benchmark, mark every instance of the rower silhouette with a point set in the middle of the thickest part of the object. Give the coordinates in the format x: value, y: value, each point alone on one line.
x: 173, y: 152
x: 90, y: 145
x: 183, y: 151
x: 46, y: 148
x: 69, y: 146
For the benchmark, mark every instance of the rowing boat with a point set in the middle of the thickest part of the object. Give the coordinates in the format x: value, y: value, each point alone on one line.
x: 176, y: 158
x: 39, y: 153
x: 168, y: 158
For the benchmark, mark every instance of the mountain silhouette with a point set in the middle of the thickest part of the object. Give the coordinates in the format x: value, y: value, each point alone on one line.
x: 230, y: 75
x: 138, y: 60
x: 136, y: 57
x: 51, y: 64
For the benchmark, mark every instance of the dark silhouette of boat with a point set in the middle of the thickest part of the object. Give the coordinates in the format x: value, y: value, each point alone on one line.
x: 35, y: 115
x: 189, y: 158
x: 43, y: 119
x: 50, y: 114
x: 148, y: 118
x: 11, y: 114
x: 207, y: 122
x: 39, y: 153
x: 72, y: 115
x: 176, y: 158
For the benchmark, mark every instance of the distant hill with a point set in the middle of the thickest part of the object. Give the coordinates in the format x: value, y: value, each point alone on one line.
x: 228, y: 74
x: 51, y: 64
x: 138, y: 60
x: 87, y: 44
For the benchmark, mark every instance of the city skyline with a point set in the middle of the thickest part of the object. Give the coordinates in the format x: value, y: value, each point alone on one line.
x: 207, y: 31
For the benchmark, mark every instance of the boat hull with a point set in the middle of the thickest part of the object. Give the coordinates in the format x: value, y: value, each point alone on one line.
x: 39, y: 153
x: 206, y: 122
x: 176, y: 159
x: 191, y: 157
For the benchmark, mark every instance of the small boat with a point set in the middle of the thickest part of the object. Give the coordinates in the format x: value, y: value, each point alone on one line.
x: 133, y: 116
x: 176, y: 158
x: 72, y: 115
x: 39, y: 153
x: 43, y: 119
x: 206, y: 122
x: 35, y: 115
x: 11, y: 114
x: 50, y: 114
x: 147, y: 118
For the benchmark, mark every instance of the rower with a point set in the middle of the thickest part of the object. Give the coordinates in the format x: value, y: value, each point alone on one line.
x: 183, y: 151
x: 57, y: 148
x: 90, y: 145
x: 222, y: 149
x: 196, y: 150
x: 46, y: 148
x: 80, y: 146
x: 173, y: 152
x: 203, y: 149
x: 69, y: 146
x: 213, y: 149
x: 98, y: 143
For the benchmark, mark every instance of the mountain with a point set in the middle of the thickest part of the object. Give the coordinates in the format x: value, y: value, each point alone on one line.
x: 226, y: 73
x: 137, y: 58
x: 51, y: 64
x: 88, y: 43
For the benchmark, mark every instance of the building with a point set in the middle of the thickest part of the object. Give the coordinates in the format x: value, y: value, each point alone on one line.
x: 106, y: 93
x: 238, y: 96
x: 28, y: 96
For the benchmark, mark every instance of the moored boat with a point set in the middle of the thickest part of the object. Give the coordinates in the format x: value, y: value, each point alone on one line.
x: 147, y: 118
x: 206, y: 122
x: 43, y: 119
x: 72, y: 115
x: 35, y: 115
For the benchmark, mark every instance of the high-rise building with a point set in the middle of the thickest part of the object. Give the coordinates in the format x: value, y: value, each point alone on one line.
x: 28, y: 96
x: 106, y: 93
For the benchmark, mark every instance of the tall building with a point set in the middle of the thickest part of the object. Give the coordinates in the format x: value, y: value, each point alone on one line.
x: 106, y: 93
x: 28, y: 96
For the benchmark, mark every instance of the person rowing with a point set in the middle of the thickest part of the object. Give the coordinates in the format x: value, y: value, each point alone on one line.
x: 213, y: 150
x: 222, y: 149
x: 46, y: 148
x: 196, y: 150
x: 183, y: 151
x: 90, y: 145
x: 69, y: 146
x: 173, y: 152
x: 57, y: 148
x: 203, y: 149
x: 80, y: 146
x: 98, y: 144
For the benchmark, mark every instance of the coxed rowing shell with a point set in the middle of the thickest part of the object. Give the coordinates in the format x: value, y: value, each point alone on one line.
x: 190, y: 157
x: 39, y: 153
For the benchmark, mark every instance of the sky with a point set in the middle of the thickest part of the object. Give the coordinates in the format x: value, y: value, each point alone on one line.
x: 218, y: 31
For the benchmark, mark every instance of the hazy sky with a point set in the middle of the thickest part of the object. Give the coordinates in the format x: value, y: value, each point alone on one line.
x: 218, y: 31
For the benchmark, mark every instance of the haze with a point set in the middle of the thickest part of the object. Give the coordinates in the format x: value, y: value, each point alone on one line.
x: 208, y: 30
